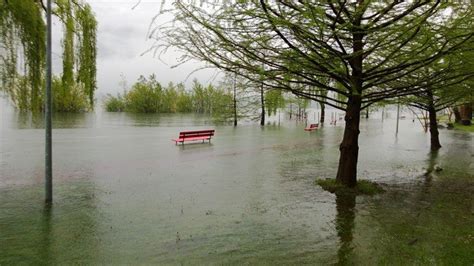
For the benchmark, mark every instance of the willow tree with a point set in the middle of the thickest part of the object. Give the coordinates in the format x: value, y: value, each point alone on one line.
x: 87, y: 52
x: 22, y: 48
x: 22, y: 51
x: 363, y: 46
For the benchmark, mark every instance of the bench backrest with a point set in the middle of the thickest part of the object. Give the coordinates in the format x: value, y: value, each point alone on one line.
x: 313, y: 125
x: 196, y: 133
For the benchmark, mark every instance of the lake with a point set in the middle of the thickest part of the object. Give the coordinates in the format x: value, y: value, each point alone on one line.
x: 124, y: 193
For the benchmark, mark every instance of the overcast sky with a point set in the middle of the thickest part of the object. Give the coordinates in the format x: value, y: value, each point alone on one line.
x: 121, y: 41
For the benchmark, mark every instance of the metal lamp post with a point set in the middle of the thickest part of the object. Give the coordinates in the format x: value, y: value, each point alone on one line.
x: 48, y: 109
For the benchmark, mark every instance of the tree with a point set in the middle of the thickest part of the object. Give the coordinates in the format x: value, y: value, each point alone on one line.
x: 432, y: 101
x: 22, y: 35
x: 364, y: 46
x: 184, y: 101
x: 323, y: 108
x: 212, y: 101
x: 435, y: 99
x: 22, y: 26
x: 248, y: 98
x: 274, y: 100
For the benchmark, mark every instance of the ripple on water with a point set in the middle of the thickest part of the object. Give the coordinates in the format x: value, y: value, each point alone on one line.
x: 124, y: 193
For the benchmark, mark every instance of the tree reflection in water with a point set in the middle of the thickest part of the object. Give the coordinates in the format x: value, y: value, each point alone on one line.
x: 45, y: 252
x: 345, y: 206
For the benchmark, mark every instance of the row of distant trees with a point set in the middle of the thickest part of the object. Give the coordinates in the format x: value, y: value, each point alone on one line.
x: 147, y: 95
x: 229, y: 101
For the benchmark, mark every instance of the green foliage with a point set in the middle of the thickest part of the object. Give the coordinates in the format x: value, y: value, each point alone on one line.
x: 210, y: 100
x: 148, y: 96
x: 200, y: 99
x: 20, y: 92
x: 68, y: 97
x: 87, y: 52
x: 363, y: 187
x: 273, y: 100
x: 64, y: 11
x: 184, y: 101
x: 169, y: 97
x: 22, y: 34
x: 114, y: 103
x: 364, y: 49
x: 144, y: 97
x: 221, y: 105
x: 22, y: 26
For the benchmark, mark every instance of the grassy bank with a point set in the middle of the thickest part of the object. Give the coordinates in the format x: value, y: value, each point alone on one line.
x: 465, y: 128
x: 364, y: 187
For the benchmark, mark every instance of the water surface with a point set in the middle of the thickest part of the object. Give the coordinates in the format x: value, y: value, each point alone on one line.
x: 124, y: 193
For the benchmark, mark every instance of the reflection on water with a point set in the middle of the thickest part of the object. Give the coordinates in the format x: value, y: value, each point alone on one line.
x: 33, y: 233
x: 345, y: 206
x: 149, y: 120
x: 426, y: 221
x: 29, y: 120
x: 125, y: 194
x: 432, y: 164
x: 26, y: 120
x: 46, y: 230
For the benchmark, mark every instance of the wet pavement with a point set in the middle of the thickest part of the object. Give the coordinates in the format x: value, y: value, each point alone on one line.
x: 124, y: 193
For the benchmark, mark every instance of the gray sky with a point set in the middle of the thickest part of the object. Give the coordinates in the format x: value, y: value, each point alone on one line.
x: 121, y: 41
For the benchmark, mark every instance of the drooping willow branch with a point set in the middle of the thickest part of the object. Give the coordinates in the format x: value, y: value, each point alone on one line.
x: 22, y: 35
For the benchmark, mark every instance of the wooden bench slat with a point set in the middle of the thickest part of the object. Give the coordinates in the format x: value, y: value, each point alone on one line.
x: 192, y: 138
x: 312, y: 127
x: 194, y: 135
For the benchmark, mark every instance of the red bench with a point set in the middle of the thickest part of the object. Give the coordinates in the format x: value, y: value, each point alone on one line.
x: 194, y: 135
x: 311, y: 127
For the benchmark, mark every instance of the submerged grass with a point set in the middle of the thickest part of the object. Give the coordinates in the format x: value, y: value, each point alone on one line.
x: 469, y: 128
x: 428, y: 223
x: 363, y: 187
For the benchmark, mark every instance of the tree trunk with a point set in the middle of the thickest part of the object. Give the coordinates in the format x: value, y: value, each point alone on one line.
x: 349, y: 148
x: 235, y: 103
x: 323, y: 113
x: 457, y: 115
x: 435, y: 144
x: 262, y: 100
x: 434, y: 134
x: 465, y: 112
x: 367, y: 113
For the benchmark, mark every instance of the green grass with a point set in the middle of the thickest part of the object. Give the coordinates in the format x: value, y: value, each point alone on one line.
x: 465, y: 128
x: 363, y: 187
x: 444, y: 119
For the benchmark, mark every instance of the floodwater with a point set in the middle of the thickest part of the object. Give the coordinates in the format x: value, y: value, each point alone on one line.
x: 124, y: 193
